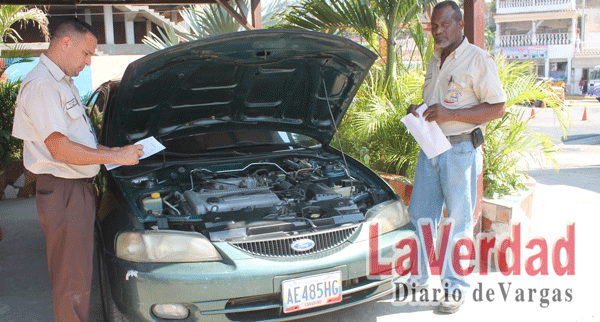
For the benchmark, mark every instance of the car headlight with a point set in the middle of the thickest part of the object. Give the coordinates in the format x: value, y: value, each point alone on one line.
x: 165, y: 247
x: 389, y: 216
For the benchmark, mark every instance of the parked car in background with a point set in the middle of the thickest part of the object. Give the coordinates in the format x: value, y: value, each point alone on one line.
x: 248, y: 214
x: 557, y: 87
x: 593, y: 83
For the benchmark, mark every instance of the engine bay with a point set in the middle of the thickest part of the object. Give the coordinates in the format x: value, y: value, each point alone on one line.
x: 256, y: 199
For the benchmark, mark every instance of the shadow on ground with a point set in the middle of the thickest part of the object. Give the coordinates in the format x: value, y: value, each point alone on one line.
x: 584, y: 178
x: 582, y: 139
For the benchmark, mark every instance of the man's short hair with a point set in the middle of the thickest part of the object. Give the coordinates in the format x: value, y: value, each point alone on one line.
x: 449, y: 3
x: 73, y: 26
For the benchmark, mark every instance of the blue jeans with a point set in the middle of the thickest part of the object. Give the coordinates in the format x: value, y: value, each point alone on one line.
x: 450, y: 179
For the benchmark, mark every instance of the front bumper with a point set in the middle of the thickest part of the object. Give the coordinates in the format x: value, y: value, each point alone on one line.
x: 247, y: 287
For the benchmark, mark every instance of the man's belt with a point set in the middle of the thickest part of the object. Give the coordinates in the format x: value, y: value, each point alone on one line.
x: 475, y: 137
x: 86, y: 180
x: 454, y: 139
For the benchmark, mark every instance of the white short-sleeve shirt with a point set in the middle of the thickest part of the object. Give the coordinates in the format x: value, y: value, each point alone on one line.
x: 49, y: 102
x: 468, y: 77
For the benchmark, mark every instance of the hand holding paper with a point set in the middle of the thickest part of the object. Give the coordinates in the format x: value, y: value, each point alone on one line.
x: 151, y: 147
x: 428, y: 134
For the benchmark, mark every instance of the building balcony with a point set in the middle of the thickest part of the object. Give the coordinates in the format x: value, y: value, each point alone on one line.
x: 588, y: 48
x: 535, y: 40
x: 526, y: 6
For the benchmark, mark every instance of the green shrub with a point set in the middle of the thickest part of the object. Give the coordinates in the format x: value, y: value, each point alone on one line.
x: 508, y: 142
x: 373, y: 122
x: 10, y: 147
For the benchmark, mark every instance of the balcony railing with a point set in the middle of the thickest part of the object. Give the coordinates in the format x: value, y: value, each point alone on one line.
x: 506, y: 6
x: 540, y: 39
x: 588, y: 47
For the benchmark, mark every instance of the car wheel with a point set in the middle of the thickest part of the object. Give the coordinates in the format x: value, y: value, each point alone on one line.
x: 111, y: 312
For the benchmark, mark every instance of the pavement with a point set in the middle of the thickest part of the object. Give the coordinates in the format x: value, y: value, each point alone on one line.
x: 569, y: 196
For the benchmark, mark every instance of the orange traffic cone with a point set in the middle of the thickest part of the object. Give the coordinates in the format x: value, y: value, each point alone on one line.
x: 543, y: 104
x: 532, y: 112
x: 584, y: 118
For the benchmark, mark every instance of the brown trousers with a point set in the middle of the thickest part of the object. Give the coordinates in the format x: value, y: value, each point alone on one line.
x: 66, y: 210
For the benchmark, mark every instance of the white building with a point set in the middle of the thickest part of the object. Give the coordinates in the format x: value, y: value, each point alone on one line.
x: 120, y: 28
x: 553, y: 34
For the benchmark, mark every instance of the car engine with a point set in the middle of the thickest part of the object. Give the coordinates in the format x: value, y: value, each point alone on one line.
x: 258, y: 198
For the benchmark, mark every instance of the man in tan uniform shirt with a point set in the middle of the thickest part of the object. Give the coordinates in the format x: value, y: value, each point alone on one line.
x: 463, y: 92
x: 60, y: 147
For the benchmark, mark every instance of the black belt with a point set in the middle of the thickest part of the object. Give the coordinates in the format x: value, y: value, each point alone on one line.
x: 454, y: 139
x: 86, y: 180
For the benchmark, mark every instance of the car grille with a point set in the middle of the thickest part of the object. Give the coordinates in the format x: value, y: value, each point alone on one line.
x: 281, y: 247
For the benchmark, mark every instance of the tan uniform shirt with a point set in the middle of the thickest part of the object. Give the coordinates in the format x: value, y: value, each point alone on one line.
x: 468, y: 77
x: 49, y: 102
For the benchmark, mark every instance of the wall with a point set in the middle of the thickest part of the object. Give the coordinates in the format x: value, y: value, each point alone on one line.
x: 105, y: 68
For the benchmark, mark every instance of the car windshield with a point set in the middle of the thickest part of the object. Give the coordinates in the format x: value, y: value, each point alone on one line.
x: 207, y: 142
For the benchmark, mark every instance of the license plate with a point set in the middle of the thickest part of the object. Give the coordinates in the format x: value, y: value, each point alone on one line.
x: 311, y: 291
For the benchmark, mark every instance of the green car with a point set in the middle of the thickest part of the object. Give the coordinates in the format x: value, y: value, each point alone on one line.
x: 247, y: 213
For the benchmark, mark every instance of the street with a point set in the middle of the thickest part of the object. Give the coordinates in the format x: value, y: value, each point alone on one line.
x: 571, y: 195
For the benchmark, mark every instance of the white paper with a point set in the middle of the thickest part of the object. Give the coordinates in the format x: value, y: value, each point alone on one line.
x: 151, y: 147
x: 428, y: 134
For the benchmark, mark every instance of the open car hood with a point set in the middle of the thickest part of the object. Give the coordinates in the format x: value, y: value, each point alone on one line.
x: 282, y: 80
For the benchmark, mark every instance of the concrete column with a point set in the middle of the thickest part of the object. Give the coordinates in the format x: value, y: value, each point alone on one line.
x: 109, y: 32
x: 88, y: 15
x: 547, y: 67
x: 148, y: 27
x: 533, y: 33
x: 573, y: 39
x: 129, y: 31
x: 256, y: 10
x: 475, y: 22
x: 497, y: 36
x: 570, y: 85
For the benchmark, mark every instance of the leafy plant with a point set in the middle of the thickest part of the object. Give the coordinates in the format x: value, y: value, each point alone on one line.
x: 209, y: 20
x: 10, y: 147
x: 373, y: 121
x: 507, y: 140
x: 11, y: 14
x: 371, y: 19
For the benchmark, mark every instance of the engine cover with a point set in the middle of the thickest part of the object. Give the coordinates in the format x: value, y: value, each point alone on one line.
x: 216, y: 201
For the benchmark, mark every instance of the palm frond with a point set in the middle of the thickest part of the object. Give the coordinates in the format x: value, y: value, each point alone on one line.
x: 11, y: 14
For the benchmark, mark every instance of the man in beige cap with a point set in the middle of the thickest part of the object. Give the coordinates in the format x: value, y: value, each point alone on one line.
x: 60, y: 147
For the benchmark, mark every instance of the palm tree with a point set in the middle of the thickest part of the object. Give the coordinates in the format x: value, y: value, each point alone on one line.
x: 370, y: 19
x: 508, y: 142
x: 11, y: 14
x: 10, y: 147
x: 210, y: 20
x: 373, y: 122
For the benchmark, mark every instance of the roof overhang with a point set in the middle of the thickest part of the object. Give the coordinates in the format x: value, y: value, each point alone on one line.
x: 106, y: 2
x: 249, y: 18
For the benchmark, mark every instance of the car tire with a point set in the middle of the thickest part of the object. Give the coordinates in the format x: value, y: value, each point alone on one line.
x: 111, y: 312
